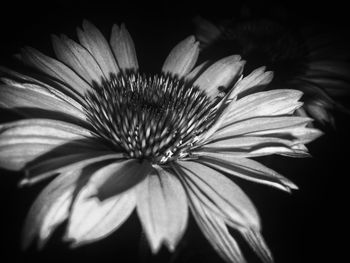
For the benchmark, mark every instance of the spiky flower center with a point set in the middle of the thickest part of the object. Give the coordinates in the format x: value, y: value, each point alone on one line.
x: 157, y: 117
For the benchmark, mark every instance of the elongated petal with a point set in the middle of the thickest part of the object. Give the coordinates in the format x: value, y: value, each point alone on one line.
x: 92, y: 219
x: 263, y: 125
x: 35, y: 102
x: 118, y: 177
x: 247, y: 142
x: 212, y: 223
x: 245, y: 168
x: 93, y: 40
x: 24, y: 141
x: 197, y: 71
x: 45, y: 127
x: 162, y: 209
x: 219, y: 193
x: 257, y: 243
x: 182, y: 58
x: 50, y: 208
x: 42, y: 169
x: 256, y: 79
x: 220, y: 74
x: 62, y: 90
x: 123, y: 48
x: 298, y: 134
x: 78, y: 58
x: 266, y: 103
x: 55, y: 69
x: 215, y: 230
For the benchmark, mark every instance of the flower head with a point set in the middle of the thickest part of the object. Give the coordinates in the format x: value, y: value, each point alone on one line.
x: 312, y: 59
x: 118, y: 140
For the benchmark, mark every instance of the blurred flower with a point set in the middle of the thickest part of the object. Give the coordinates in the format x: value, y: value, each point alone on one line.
x: 312, y: 59
x: 162, y: 144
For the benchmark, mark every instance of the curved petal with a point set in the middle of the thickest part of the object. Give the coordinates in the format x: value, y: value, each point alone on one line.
x: 29, y: 100
x: 50, y: 208
x: 182, y: 57
x: 44, y: 127
x: 256, y: 79
x: 220, y: 74
x: 55, y: 69
x: 245, y: 168
x: 92, y: 219
x: 123, y: 48
x: 266, y: 103
x: 197, y: 71
x: 261, y: 125
x: 22, y: 142
x: 231, y: 206
x: 119, y: 176
x: 78, y: 58
x: 219, y: 194
x: 162, y: 208
x: 62, y: 90
x: 93, y: 40
x: 216, y: 232
x: 49, y: 165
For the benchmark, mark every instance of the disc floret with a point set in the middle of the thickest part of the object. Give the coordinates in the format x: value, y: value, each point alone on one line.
x: 155, y: 117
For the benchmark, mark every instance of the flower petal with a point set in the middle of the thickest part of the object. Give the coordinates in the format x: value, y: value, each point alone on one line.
x: 182, y: 58
x: 257, y: 243
x: 93, y: 40
x: 261, y: 125
x: 266, y: 103
x: 32, y: 100
x: 50, y: 208
x: 257, y: 79
x: 24, y: 141
x: 216, y: 232
x: 220, y: 74
x: 48, y: 165
x: 258, y: 146
x: 119, y: 176
x: 162, y: 209
x: 231, y: 206
x: 44, y: 127
x: 219, y: 194
x: 92, y: 219
x: 55, y: 69
x: 123, y: 48
x: 58, y: 88
x: 245, y: 168
x: 197, y: 71
x: 78, y: 58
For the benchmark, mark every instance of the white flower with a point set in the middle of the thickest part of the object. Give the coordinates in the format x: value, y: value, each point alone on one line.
x: 119, y: 140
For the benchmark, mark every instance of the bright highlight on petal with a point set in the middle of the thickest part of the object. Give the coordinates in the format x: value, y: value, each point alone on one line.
x: 182, y: 58
x: 167, y: 144
x: 162, y: 207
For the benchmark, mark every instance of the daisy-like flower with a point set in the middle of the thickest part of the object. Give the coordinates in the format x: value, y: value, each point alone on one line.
x: 308, y: 58
x: 119, y: 140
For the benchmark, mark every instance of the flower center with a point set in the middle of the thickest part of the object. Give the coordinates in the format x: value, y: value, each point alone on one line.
x: 156, y: 117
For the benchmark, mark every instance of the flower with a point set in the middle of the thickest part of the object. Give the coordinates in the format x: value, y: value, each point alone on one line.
x: 312, y: 59
x: 119, y: 140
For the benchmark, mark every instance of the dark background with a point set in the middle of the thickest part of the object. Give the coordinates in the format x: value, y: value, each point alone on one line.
x: 308, y: 226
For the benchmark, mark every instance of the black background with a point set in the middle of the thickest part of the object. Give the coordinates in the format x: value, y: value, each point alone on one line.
x: 307, y: 226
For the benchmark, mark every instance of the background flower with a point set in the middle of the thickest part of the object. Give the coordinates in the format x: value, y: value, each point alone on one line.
x: 310, y: 58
